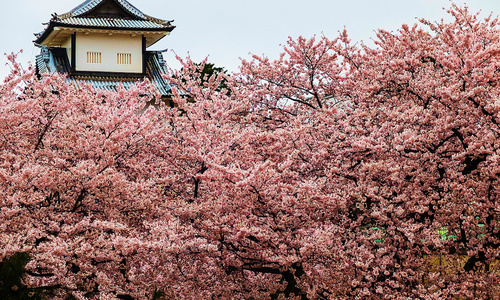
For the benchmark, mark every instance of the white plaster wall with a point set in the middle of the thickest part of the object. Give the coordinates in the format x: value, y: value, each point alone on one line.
x: 67, y: 44
x: 109, y: 46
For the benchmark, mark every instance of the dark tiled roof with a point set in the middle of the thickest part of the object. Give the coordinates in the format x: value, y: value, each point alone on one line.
x: 91, y: 4
x: 83, y: 16
x: 155, y: 66
x: 111, y: 23
x: 53, y: 60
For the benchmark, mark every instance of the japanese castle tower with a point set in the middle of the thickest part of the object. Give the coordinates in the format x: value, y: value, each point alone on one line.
x: 104, y: 42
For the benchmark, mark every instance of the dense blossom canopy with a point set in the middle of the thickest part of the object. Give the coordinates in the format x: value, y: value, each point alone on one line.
x: 338, y: 171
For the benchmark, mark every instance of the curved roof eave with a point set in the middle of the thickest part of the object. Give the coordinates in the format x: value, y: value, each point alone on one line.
x: 40, y: 37
x: 76, y: 19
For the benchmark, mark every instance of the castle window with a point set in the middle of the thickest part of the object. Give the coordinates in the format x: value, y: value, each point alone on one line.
x: 94, y: 57
x: 124, y: 58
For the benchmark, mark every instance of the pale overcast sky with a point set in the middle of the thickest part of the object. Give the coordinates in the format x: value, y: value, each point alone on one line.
x: 227, y: 30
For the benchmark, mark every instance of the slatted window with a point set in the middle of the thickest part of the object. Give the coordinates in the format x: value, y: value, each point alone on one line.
x: 94, y: 57
x: 124, y: 58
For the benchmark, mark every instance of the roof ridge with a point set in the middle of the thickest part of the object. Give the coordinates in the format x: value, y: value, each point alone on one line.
x: 82, y: 6
x: 88, y: 5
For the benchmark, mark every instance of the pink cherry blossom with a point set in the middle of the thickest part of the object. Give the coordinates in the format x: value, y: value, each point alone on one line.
x: 337, y: 171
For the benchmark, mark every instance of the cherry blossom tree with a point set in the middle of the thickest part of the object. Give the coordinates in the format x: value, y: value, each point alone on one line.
x: 380, y: 170
x: 408, y: 152
x: 338, y: 171
x: 79, y: 182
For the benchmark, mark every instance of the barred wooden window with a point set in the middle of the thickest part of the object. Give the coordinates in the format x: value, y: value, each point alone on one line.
x: 124, y: 58
x: 94, y: 57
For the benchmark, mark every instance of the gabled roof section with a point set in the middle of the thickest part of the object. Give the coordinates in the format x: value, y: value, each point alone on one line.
x: 105, y: 15
x: 113, y: 9
x: 91, y: 8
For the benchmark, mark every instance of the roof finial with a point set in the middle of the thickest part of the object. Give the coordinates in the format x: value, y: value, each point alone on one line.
x: 55, y: 17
